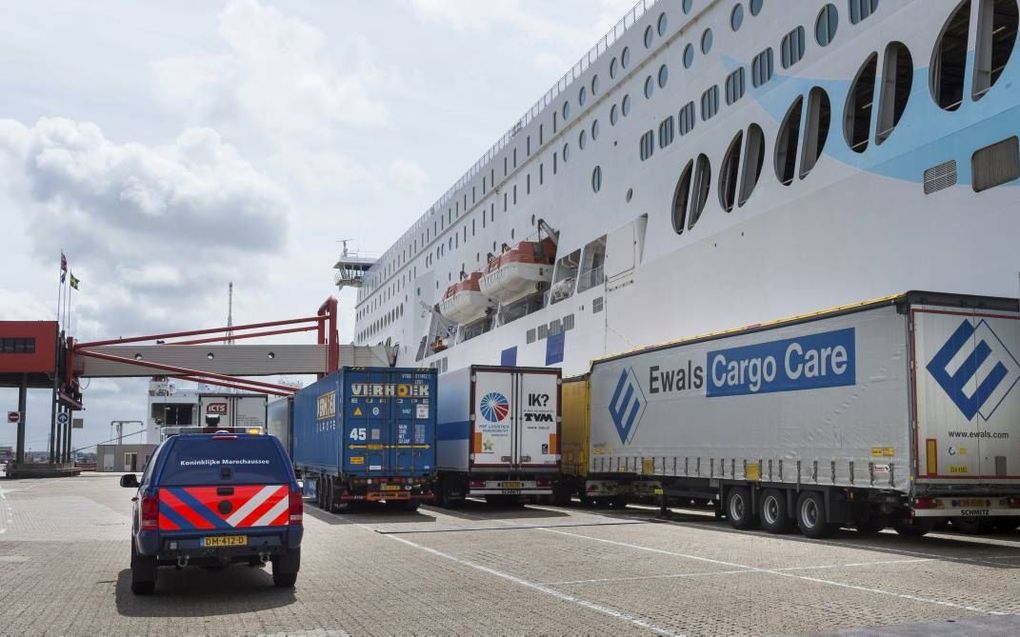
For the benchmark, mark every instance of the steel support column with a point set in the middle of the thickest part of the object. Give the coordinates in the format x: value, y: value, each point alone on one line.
x: 19, y: 456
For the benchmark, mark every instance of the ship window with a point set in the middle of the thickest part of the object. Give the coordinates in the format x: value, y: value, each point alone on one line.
x: 737, y: 17
x: 568, y: 322
x: 541, y: 174
x: 735, y: 85
x: 625, y: 106
x: 582, y: 96
x: 555, y: 327
x: 566, y: 152
x: 857, y: 114
x: 662, y: 24
x: 996, y: 164
x: 646, y: 145
x: 826, y: 24
x: 613, y: 115
x: 709, y: 103
x: 754, y: 161
x: 515, y: 194
x: 649, y: 34
x: 594, y: 84
x: 688, y: 56
x: 861, y: 9
x: 565, y: 277
x: 687, y: 6
x: 566, y: 115
x: 543, y: 331
x: 792, y: 48
x: 755, y: 6
x: 786, y: 143
x: 515, y: 156
x: 700, y: 188
x: 666, y: 132
x: 686, y: 118
x: 530, y: 337
x: 816, y: 130
x: 706, y: 41
x: 625, y: 57
x: 663, y: 75
x: 761, y: 68
x: 595, y: 130
x: 728, y: 173
x: 681, y: 198
x: 649, y: 87
x: 556, y: 157
x: 996, y: 35
x: 597, y: 304
x: 596, y: 179
x: 897, y: 78
x: 612, y: 69
x: 582, y: 138
x: 592, y: 261
x: 948, y: 67
x: 527, y: 184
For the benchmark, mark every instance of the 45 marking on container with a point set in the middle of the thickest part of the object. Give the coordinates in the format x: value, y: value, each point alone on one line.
x: 359, y: 433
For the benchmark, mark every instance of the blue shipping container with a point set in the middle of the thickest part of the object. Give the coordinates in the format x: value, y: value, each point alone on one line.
x: 367, y: 422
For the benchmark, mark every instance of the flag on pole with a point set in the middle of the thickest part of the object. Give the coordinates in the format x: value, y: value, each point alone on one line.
x: 74, y: 281
x: 63, y: 267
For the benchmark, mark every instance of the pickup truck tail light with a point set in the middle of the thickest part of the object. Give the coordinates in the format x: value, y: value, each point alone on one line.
x: 297, y: 507
x: 150, y: 512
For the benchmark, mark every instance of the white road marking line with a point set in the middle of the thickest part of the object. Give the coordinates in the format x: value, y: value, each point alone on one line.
x: 612, y: 612
x: 253, y: 503
x: 768, y: 571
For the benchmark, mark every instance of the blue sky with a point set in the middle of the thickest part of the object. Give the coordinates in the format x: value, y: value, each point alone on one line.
x: 169, y: 148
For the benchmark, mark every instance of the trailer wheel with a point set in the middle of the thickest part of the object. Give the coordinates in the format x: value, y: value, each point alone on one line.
x: 739, y: 509
x: 330, y: 496
x: 908, y: 527
x: 774, y: 515
x: 811, y: 515
x: 971, y: 526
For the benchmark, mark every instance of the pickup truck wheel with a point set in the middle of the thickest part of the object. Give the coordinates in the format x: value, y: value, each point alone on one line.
x: 286, y: 567
x: 774, y: 516
x: 811, y: 515
x: 739, y: 509
x: 143, y: 573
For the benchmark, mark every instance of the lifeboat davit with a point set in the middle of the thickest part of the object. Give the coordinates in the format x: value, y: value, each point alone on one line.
x: 516, y: 273
x: 464, y: 301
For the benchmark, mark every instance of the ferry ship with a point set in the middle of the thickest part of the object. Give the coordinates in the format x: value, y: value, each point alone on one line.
x: 714, y: 164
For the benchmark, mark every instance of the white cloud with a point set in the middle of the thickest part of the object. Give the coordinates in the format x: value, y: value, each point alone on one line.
x: 406, y: 173
x: 152, y: 232
x: 25, y: 306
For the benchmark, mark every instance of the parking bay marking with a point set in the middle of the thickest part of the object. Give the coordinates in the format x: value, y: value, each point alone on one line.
x: 769, y: 571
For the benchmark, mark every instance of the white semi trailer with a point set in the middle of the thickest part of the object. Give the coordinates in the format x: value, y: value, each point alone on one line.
x: 897, y: 412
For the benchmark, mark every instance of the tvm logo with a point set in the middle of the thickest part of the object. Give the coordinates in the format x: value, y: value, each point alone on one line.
x: 627, y: 405
x: 976, y: 369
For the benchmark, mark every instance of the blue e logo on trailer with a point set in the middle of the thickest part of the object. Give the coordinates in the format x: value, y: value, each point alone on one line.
x: 975, y: 347
x: 806, y: 362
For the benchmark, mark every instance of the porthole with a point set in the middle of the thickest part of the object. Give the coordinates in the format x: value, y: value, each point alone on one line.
x: 663, y: 75
x: 625, y: 106
x: 566, y: 110
x: 754, y: 161
x: 755, y: 6
x: 897, y: 79
x: 594, y: 130
x: 706, y: 41
x: 737, y: 17
x: 630, y: 191
x: 687, y: 6
x: 582, y: 97
x: 625, y: 57
x: 596, y: 179
x: 792, y: 47
x: 826, y: 24
x: 649, y: 87
x: 612, y: 69
x: 649, y: 34
x: 566, y: 152
x: 995, y: 34
x: 861, y: 9
x: 614, y: 115
x: 857, y: 113
x: 688, y: 56
x: 816, y: 129
x: 662, y: 24
x: 787, y: 142
x: 729, y: 172
x: 700, y: 187
x: 686, y: 118
x: 582, y: 137
x: 681, y: 198
x: 594, y: 85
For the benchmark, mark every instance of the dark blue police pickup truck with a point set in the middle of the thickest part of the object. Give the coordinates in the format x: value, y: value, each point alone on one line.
x: 213, y: 500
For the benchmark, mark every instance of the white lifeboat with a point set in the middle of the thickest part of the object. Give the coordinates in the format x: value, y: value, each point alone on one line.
x: 524, y: 270
x: 464, y: 302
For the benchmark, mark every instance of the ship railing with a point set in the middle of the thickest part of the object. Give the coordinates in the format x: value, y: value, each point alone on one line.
x: 582, y: 65
x: 590, y: 278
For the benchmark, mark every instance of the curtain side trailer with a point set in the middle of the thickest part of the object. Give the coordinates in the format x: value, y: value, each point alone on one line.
x: 367, y: 434
x: 499, y: 430
x: 898, y: 412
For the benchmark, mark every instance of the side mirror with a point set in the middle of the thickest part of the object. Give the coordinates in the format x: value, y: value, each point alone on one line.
x: 129, y: 481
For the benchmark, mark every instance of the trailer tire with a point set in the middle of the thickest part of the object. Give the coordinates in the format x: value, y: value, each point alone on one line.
x: 811, y: 515
x: 561, y: 495
x: 775, y: 518
x: 330, y: 497
x: 913, y: 527
x: 971, y: 526
x: 739, y: 509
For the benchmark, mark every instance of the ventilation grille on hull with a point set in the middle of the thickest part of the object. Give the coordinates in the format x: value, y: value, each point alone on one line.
x: 940, y: 177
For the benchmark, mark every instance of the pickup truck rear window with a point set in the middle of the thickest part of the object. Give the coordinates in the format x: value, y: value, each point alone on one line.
x: 208, y: 461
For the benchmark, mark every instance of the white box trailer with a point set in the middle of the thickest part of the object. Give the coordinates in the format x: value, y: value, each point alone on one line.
x: 233, y: 411
x: 498, y: 432
x: 894, y: 412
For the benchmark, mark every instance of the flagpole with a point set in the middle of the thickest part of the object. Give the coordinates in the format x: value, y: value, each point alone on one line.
x: 53, y: 407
